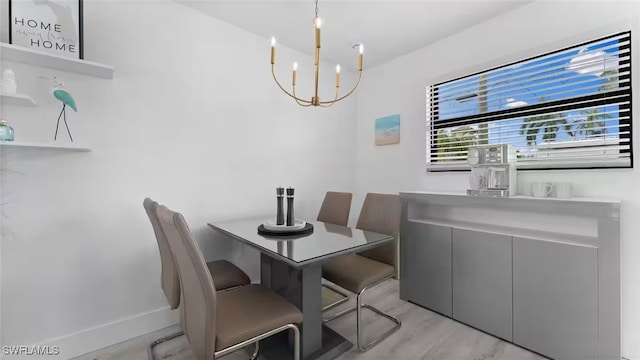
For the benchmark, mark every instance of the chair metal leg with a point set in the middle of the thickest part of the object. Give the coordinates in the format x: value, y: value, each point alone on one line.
x: 345, y: 297
x: 296, y: 345
x: 254, y: 356
x: 359, y: 326
x: 160, y: 341
x: 395, y: 328
x: 256, y: 339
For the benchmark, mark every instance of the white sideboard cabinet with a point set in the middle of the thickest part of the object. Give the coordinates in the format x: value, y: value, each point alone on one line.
x: 482, y: 281
x: 555, y: 298
x: 426, y: 277
x: 541, y: 273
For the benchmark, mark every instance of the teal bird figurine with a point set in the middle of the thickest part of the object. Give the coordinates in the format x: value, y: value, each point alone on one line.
x: 67, y: 100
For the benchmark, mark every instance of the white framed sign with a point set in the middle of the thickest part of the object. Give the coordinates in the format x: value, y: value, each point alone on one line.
x: 53, y: 26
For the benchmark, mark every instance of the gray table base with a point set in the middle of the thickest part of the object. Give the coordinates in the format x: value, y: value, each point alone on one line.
x: 302, y: 287
x: 278, y: 347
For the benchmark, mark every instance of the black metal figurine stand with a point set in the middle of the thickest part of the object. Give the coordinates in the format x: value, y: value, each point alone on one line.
x: 63, y: 114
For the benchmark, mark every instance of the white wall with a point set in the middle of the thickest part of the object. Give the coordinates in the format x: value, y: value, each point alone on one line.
x: 400, y: 87
x: 191, y: 119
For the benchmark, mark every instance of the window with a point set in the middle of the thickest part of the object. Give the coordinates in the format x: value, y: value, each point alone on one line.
x: 567, y: 109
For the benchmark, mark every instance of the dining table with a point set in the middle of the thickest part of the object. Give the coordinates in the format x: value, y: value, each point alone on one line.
x: 291, y: 266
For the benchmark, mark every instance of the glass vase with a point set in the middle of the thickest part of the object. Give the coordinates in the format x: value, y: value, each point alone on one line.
x: 6, y: 131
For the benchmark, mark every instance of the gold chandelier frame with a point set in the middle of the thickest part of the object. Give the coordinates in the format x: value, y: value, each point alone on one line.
x: 315, y: 100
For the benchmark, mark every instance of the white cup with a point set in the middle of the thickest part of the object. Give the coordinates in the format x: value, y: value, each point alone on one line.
x: 541, y: 189
x: 564, y: 190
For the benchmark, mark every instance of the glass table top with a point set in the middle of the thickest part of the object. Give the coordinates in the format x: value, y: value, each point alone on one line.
x: 325, y: 243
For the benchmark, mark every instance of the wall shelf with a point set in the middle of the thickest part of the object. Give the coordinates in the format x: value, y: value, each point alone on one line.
x: 17, y: 99
x: 45, y: 146
x: 10, y: 52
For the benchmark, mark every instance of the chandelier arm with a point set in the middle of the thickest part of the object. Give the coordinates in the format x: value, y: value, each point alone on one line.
x: 297, y: 100
x: 337, y: 92
x: 302, y: 104
x: 349, y: 93
x: 334, y: 101
x: 285, y: 91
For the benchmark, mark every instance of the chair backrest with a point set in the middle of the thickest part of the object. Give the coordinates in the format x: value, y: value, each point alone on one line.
x: 335, y: 208
x: 198, y: 292
x: 169, y: 275
x: 381, y: 213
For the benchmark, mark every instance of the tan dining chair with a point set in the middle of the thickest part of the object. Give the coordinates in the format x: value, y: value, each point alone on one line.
x: 360, y: 272
x: 227, y: 275
x: 335, y: 209
x: 218, y: 323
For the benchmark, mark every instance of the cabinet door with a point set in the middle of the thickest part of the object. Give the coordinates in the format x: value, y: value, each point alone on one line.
x: 482, y: 281
x: 425, y: 261
x: 555, y: 298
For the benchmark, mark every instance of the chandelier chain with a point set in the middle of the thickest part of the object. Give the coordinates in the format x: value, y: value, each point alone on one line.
x: 316, y: 8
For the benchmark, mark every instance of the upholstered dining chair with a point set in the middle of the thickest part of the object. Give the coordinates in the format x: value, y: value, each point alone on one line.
x: 335, y: 209
x: 360, y: 272
x: 218, y: 323
x: 227, y: 275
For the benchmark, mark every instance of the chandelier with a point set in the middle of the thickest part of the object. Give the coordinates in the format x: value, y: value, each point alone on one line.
x: 315, y: 100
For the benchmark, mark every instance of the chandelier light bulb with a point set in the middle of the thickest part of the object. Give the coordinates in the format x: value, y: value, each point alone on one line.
x: 293, y: 75
x: 361, y: 49
x: 318, y: 22
x: 338, y: 68
x: 273, y: 50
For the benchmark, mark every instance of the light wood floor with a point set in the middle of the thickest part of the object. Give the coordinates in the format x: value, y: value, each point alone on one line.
x: 424, y: 335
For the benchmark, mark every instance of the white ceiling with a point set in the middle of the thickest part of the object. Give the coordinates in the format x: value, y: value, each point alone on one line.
x: 388, y: 28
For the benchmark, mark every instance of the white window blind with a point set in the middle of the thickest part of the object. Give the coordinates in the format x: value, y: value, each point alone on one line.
x: 567, y: 109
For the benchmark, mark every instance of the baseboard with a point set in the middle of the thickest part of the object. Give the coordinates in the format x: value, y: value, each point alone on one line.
x: 101, y: 336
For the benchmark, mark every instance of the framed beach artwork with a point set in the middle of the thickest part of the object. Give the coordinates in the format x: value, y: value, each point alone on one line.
x: 53, y: 26
x: 388, y: 130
